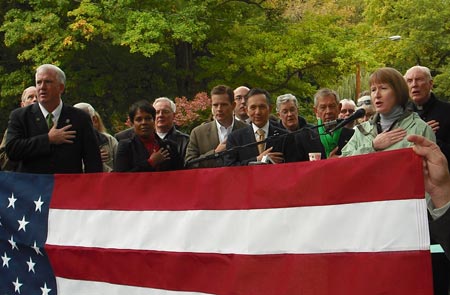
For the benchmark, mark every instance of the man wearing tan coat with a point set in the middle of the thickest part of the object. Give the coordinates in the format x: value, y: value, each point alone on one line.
x: 210, y: 138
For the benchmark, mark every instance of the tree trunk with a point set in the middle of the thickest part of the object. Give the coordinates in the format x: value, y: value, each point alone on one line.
x: 184, y: 69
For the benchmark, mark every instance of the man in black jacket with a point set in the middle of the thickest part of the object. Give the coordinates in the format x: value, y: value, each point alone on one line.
x: 279, y: 145
x: 287, y: 110
x: 49, y: 136
x: 432, y: 110
x: 165, y: 127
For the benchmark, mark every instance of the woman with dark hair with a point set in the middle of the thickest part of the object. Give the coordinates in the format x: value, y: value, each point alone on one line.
x: 391, y: 123
x: 145, y: 151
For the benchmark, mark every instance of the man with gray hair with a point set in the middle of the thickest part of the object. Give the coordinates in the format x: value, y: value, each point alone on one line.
x: 165, y: 127
x: 348, y: 107
x: 287, y: 110
x: 29, y: 96
x: 322, y: 139
x: 106, y: 142
x: 430, y: 109
x: 49, y: 136
x: 436, y: 113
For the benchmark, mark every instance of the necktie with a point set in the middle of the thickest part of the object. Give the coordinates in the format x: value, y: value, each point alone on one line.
x: 260, y: 137
x: 49, y: 120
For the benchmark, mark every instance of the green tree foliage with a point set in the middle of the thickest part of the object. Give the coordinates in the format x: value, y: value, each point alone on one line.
x: 115, y: 52
x: 425, y: 31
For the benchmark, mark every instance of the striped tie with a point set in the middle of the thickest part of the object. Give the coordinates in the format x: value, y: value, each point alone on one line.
x: 260, y: 133
x: 49, y: 120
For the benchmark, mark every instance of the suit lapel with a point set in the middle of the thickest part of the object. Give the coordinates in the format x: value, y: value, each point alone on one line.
x: 38, y: 118
x: 272, y: 132
x: 249, y: 137
x: 249, y: 134
x: 64, y: 118
x: 213, y: 134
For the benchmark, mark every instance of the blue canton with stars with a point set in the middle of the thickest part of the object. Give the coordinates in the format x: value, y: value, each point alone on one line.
x: 24, y: 207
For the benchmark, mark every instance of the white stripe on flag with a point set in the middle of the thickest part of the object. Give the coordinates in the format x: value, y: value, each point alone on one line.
x: 67, y: 286
x: 358, y: 227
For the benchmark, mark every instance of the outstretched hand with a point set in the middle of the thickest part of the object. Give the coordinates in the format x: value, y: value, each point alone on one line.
x: 435, y: 169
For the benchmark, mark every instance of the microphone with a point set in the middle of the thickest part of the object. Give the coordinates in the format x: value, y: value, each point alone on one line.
x: 356, y: 115
x: 326, y: 125
x: 331, y: 123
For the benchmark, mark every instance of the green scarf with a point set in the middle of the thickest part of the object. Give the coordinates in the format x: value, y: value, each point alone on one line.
x: 329, y: 142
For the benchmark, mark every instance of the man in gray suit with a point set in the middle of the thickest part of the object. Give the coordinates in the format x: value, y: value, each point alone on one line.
x: 210, y: 138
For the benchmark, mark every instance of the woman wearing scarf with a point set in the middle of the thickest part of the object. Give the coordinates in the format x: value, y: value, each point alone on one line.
x: 387, y: 130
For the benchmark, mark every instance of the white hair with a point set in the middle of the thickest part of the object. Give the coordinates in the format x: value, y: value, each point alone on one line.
x: 85, y: 107
x: 168, y: 100
x: 286, y: 98
x: 423, y: 69
x: 349, y: 101
x: 59, y: 73
x: 23, y: 97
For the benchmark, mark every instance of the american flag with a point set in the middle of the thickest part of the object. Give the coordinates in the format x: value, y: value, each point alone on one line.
x: 24, y: 208
x: 354, y: 225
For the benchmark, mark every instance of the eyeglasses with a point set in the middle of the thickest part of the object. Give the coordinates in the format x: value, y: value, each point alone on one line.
x: 350, y: 111
x: 364, y: 102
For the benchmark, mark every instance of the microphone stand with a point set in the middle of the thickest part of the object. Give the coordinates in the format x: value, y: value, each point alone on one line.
x: 229, y: 151
x: 251, y: 144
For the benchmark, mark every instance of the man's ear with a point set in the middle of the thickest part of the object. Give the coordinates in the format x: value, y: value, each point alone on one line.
x: 61, y: 88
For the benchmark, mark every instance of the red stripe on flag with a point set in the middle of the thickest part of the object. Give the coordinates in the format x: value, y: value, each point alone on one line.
x: 281, y: 274
x: 271, y: 186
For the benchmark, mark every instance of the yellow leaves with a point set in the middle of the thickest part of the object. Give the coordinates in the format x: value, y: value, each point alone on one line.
x: 68, y: 41
x: 84, y: 27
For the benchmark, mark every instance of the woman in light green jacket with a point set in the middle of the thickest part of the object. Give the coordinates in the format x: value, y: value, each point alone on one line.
x: 388, y: 129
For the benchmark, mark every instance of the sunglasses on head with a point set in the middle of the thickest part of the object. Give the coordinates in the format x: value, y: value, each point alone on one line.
x: 363, y: 102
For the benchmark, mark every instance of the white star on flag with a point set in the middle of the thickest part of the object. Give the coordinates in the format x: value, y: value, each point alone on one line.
x: 13, y: 243
x: 12, y: 201
x: 39, y: 204
x: 36, y: 249
x: 31, y: 265
x: 17, y: 285
x: 45, y: 290
x: 6, y: 260
x: 22, y: 223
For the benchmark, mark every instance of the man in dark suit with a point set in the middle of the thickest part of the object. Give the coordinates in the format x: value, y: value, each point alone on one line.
x: 165, y: 127
x: 436, y: 113
x: 51, y: 137
x: 287, y: 110
x: 210, y: 138
x: 430, y: 109
x: 320, y: 140
x: 278, y: 147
